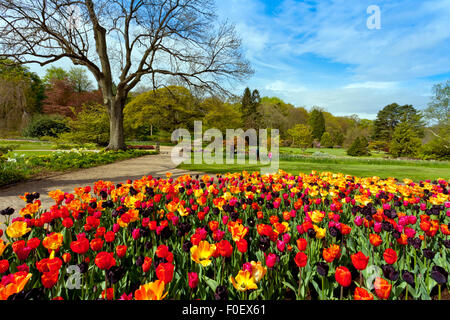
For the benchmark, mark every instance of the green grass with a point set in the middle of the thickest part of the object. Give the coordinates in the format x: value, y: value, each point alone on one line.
x: 28, y: 153
x: 400, y: 172
x: 330, y: 151
x: 27, y: 145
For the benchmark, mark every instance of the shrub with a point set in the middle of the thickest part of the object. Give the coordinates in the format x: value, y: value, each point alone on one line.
x: 327, y: 140
x: 45, y: 125
x: 90, y: 126
x: 436, y: 149
x: 359, y: 148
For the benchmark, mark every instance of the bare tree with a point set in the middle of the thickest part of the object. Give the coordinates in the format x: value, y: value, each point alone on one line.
x: 121, y: 41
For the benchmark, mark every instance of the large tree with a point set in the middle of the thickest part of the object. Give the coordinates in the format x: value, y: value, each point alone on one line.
x: 391, y: 116
x: 317, y: 123
x: 438, y: 115
x: 21, y: 96
x: 123, y: 41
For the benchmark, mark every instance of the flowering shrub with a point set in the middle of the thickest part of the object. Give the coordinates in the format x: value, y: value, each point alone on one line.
x: 236, y: 236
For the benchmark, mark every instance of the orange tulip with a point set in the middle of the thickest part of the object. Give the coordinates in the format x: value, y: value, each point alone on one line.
x: 362, y: 294
x: 151, y: 291
x: 382, y: 288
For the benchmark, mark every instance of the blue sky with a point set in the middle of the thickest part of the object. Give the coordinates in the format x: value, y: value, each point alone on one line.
x: 322, y: 52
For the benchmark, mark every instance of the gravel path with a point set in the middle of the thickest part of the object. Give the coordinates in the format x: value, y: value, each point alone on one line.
x: 155, y: 165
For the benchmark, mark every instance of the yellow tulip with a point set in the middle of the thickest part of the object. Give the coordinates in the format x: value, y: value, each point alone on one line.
x: 17, y: 229
x: 53, y: 241
x: 3, y: 246
x: 202, y: 253
x: 244, y: 281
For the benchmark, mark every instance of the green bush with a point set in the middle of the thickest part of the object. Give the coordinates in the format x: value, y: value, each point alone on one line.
x: 359, y: 147
x: 327, y: 140
x: 436, y: 149
x: 90, y: 126
x: 45, y: 125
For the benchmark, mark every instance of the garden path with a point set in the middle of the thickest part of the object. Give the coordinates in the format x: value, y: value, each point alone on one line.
x: 119, y: 172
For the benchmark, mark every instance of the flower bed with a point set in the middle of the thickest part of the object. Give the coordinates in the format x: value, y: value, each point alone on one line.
x: 142, y: 147
x: 236, y: 236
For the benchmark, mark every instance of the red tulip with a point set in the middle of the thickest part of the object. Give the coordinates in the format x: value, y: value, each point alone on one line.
x: 49, y: 279
x: 242, y: 245
x: 359, y: 260
x: 301, y: 259
x: 164, y: 272
x: 343, y: 276
x: 105, y: 260
x: 362, y: 294
x: 147, y: 264
x: 390, y: 256
x: 193, y: 280
x: 121, y: 251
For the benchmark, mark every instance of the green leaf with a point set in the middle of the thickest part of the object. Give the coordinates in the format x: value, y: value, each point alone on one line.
x: 211, y: 283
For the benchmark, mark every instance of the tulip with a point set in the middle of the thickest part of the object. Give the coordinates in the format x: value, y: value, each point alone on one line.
x: 390, y: 256
x: 271, y: 259
x: 382, y: 288
x: 281, y: 245
x: 343, y: 276
x: 193, y: 280
x: 301, y: 259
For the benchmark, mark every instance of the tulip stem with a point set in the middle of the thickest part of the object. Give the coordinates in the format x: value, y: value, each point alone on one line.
x: 323, y: 285
x: 342, y: 292
x: 406, y: 295
x: 439, y: 291
x: 299, y: 282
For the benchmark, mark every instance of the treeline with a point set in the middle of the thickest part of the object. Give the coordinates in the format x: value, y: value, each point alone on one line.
x: 64, y: 105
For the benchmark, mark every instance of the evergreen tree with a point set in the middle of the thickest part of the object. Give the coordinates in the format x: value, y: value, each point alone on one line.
x: 391, y: 116
x: 405, y: 142
x: 250, y: 109
x: 317, y: 123
x: 327, y: 140
x: 359, y: 147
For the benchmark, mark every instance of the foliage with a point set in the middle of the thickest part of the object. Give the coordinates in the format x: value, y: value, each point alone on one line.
x: 391, y: 116
x: 21, y: 95
x: 379, y: 146
x: 220, y: 115
x: 62, y: 98
x: 80, y: 80
x: 46, y: 125
x: 317, y: 123
x: 438, y: 115
x: 90, y: 126
x: 250, y: 106
x: 359, y: 148
x: 405, y: 142
x: 167, y: 109
x: 302, y: 135
x: 326, y: 140
x: 436, y: 149
x: 55, y: 74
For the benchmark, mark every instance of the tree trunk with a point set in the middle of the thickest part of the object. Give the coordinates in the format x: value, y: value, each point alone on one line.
x: 116, y: 134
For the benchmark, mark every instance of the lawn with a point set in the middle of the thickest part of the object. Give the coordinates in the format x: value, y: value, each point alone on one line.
x: 329, y: 151
x: 28, y: 145
x: 400, y: 171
